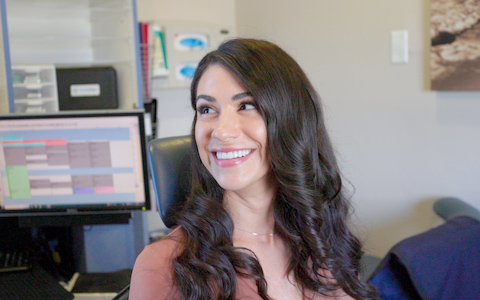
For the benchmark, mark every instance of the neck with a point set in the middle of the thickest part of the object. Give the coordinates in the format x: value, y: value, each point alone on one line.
x: 255, y: 233
x: 253, y: 215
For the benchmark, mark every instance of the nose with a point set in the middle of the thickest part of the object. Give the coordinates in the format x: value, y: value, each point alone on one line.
x: 227, y: 127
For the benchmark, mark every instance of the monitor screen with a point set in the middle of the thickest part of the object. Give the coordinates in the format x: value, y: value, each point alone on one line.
x: 73, y: 162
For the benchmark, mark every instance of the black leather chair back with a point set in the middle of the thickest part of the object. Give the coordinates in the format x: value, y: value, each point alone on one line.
x: 170, y: 165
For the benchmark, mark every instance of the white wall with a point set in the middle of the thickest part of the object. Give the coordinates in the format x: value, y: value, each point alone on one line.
x: 400, y: 145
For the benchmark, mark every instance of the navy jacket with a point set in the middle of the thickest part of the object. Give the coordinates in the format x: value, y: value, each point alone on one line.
x: 439, y: 264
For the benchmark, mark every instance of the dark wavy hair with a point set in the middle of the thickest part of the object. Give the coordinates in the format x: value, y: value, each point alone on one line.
x: 310, y: 209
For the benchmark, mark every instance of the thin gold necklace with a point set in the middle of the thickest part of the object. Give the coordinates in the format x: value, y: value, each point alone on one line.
x: 254, y: 233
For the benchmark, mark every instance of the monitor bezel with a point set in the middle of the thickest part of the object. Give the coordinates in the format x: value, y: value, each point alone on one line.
x: 88, y: 209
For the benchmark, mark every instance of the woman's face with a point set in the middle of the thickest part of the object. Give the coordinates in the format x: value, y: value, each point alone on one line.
x: 230, y: 133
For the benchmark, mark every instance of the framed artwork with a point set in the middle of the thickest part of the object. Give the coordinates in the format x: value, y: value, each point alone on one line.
x: 455, y: 45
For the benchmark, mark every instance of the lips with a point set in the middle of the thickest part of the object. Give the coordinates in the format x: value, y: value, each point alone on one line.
x: 231, y: 158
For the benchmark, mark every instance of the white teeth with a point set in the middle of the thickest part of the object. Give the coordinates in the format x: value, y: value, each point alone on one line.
x: 233, y: 154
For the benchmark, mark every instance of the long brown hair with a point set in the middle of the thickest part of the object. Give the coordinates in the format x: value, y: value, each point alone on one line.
x: 310, y: 209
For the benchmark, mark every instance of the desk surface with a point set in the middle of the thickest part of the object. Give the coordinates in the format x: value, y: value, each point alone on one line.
x: 95, y: 283
x: 32, y: 284
x: 39, y: 284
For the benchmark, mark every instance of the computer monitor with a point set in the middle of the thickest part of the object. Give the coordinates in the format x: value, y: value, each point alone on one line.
x: 73, y: 163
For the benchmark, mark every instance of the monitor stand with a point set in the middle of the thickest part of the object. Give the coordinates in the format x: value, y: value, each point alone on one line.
x: 74, y: 219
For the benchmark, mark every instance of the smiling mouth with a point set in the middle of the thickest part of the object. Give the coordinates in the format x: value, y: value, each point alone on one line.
x: 232, y: 154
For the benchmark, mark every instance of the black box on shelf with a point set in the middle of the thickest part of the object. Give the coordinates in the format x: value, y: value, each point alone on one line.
x: 87, y: 88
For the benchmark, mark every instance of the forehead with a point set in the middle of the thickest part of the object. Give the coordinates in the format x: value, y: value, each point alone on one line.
x: 219, y: 79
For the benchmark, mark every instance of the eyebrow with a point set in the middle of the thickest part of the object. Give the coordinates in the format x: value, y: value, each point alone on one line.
x: 241, y: 96
x: 206, y: 97
x: 234, y: 98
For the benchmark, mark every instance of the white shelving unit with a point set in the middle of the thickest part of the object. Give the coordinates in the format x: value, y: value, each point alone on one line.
x: 35, y: 88
x: 78, y: 33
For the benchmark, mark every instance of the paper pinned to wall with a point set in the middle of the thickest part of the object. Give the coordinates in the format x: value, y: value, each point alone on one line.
x: 185, y: 71
x: 159, y: 64
x: 191, y: 41
x: 186, y: 43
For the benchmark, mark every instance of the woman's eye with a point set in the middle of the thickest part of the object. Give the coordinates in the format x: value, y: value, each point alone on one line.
x: 204, y: 110
x: 247, y: 106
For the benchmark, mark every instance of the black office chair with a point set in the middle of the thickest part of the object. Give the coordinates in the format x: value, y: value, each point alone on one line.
x: 169, y: 161
x: 170, y: 165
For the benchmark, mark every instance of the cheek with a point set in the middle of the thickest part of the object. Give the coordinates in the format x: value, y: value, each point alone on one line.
x: 199, y: 136
x: 261, y: 135
x: 202, y: 141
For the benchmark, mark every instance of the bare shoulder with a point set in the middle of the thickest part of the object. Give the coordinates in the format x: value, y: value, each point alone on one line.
x: 152, y: 274
x: 168, y: 247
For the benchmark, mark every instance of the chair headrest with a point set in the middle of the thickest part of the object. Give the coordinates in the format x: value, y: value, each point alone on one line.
x: 170, y: 165
x: 451, y: 207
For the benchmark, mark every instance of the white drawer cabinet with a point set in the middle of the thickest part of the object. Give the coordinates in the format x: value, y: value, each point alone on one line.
x: 73, y: 34
x: 34, y: 88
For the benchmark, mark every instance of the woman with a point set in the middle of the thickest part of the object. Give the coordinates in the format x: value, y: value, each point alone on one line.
x: 266, y: 218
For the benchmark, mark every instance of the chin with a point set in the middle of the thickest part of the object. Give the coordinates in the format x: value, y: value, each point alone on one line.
x: 228, y: 185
